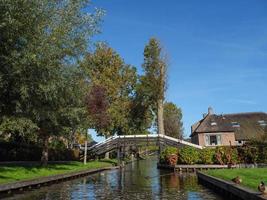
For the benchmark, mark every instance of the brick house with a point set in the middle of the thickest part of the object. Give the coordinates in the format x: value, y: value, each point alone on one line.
x: 226, y: 129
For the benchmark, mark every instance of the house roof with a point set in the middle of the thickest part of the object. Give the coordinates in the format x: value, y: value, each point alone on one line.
x: 245, y: 125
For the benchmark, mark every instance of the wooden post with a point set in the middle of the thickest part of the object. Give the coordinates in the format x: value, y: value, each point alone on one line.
x: 146, y: 146
x: 107, y: 153
x: 118, y: 156
x: 118, y: 152
x: 85, y: 152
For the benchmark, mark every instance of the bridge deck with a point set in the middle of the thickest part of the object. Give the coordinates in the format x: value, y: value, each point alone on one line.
x: 115, y: 142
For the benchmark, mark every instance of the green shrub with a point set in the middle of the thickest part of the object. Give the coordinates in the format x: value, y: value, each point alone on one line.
x: 248, y: 154
x: 206, y: 156
x: 167, y: 152
x: 188, y: 155
x: 226, y: 155
x: 262, y: 154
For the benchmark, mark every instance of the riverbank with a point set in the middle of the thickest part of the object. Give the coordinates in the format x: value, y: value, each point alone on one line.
x: 11, y: 173
x: 228, y: 189
x: 251, y: 177
x: 137, y: 180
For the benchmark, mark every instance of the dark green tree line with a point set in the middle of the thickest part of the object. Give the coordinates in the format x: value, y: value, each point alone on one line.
x: 41, y: 40
x: 52, y: 87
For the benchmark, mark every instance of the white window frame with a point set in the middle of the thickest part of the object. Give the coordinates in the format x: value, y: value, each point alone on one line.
x: 218, y: 138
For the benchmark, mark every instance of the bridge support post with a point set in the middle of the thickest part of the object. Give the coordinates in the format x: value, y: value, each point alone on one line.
x: 85, y: 153
x: 118, y: 156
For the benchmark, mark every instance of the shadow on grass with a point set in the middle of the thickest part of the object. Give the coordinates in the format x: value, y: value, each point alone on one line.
x: 5, y: 177
x: 113, y: 162
x: 34, y: 168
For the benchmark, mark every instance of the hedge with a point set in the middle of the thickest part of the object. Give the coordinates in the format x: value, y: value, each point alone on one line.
x: 10, y: 151
x: 220, y: 155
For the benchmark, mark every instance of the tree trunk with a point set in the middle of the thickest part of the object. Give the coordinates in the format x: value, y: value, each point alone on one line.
x: 107, y: 153
x: 44, y: 158
x: 85, y: 152
x: 160, y: 117
x: 161, y: 99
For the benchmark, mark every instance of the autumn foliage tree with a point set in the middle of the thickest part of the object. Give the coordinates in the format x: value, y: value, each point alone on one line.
x: 97, y: 106
x: 112, y: 84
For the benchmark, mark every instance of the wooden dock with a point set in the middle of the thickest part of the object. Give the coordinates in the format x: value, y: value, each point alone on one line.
x: 193, y: 168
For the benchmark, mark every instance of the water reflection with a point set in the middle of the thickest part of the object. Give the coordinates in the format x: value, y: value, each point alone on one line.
x: 138, y: 180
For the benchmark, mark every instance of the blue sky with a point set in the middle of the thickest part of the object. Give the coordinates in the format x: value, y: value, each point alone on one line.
x: 217, y: 49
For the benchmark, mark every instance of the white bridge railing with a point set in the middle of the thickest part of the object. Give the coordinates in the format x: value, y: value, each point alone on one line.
x: 114, y: 142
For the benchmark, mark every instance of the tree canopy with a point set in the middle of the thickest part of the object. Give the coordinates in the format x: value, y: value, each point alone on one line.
x: 41, y: 41
x: 173, y: 124
x: 53, y: 86
x: 112, y: 84
x: 154, y: 80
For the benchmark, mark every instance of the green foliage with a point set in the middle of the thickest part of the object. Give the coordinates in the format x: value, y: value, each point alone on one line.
x: 226, y: 155
x: 188, y: 155
x: 223, y: 155
x: 262, y: 154
x: 167, y: 152
x: 19, y: 128
x: 206, y: 156
x: 256, y: 150
x: 153, y: 82
x: 153, y: 64
x: 105, y: 69
x: 41, y: 42
x: 173, y: 124
x: 248, y: 154
x: 141, y: 114
x: 16, y: 151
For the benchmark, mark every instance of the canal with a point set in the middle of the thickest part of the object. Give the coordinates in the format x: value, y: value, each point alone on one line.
x: 138, y: 180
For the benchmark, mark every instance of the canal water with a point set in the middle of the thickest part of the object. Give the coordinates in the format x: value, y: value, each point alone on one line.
x: 138, y: 180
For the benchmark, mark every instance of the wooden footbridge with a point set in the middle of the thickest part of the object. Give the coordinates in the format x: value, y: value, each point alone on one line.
x: 122, y: 141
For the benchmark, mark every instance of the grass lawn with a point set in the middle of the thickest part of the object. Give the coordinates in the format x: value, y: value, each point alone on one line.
x: 11, y: 173
x: 251, y: 177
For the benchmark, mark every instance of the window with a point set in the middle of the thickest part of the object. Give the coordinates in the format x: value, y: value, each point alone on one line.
x: 213, y: 123
x: 212, y: 140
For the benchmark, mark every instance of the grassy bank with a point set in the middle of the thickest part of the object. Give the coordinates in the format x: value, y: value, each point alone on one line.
x: 250, y: 177
x: 11, y: 173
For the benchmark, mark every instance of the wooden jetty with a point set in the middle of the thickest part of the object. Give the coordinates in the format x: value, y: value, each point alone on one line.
x: 193, y: 168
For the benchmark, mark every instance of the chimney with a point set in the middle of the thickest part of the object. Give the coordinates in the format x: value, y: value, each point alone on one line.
x: 210, y: 111
x: 204, y: 115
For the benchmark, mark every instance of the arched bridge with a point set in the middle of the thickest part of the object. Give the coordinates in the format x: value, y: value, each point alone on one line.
x: 117, y: 142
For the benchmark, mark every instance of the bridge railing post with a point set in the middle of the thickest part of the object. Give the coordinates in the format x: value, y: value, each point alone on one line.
x: 118, y: 152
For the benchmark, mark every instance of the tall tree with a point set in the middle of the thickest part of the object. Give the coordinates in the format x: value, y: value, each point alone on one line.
x: 173, y: 124
x: 154, y: 79
x: 112, y: 84
x: 39, y: 39
x: 73, y: 118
